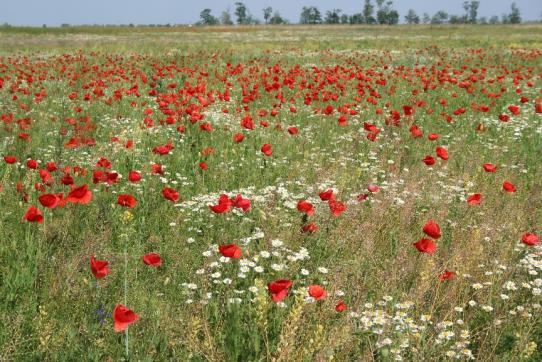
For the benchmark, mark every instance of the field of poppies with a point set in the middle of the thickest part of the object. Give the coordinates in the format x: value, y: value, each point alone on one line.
x: 257, y: 194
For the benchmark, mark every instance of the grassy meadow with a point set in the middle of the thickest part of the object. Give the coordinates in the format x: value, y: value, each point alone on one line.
x: 266, y: 193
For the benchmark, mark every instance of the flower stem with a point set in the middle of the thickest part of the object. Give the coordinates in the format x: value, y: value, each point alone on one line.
x: 126, y: 293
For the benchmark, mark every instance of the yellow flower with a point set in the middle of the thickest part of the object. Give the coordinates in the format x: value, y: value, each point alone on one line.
x: 127, y: 217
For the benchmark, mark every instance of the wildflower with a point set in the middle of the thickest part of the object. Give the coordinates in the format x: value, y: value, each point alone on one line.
x: 123, y: 317
x: 99, y: 268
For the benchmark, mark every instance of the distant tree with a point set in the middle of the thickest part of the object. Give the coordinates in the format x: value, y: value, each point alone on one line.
x: 267, y: 13
x: 393, y: 17
x: 241, y: 13
x: 207, y: 18
x: 483, y: 20
x: 440, y: 17
x: 515, y: 16
x: 333, y: 16
x: 426, y: 18
x: 345, y: 19
x: 65, y: 25
x: 251, y: 20
x: 356, y: 18
x: 225, y: 18
x: 385, y: 14
x: 411, y: 17
x: 471, y: 12
x: 310, y: 15
x: 457, y: 19
x: 368, y: 11
x: 494, y: 19
x: 381, y: 14
x: 277, y: 19
x: 44, y: 26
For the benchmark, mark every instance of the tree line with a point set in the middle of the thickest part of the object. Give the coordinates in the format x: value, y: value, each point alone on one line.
x: 380, y: 12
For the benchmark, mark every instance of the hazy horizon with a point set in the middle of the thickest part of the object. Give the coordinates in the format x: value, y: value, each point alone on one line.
x: 76, y: 12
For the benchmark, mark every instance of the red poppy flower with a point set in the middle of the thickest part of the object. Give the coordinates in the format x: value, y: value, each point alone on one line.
x: 103, y: 162
x: 306, y: 207
x: 408, y: 110
x: 508, y: 186
x: 340, y: 307
x: 10, y: 160
x: 266, y: 149
x: 32, y: 164
x: 170, y: 194
x: 514, y: 110
x: 123, y: 317
x: 203, y: 166
x: 429, y: 160
x: 33, y: 214
x: 326, y: 195
x: 317, y: 292
x: 46, y: 177
x: 224, y: 205
x: 67, y: 180
x: 474, y: 199
x: 152, y: 259
x: 415, y: 131
x: 50, y: 166
x: 293, y: 131
x: 530, y: 239
x: 504, y: 117
x: 279, y: 289
x: 163, y: 150
x: 238, y: 138
x: 247, y: 123
x: 489, y: 167
x: 134, y: 176
x: 50, y: 201
x: 432, y: 229
x: 373, y: 188
x: 241, y: 203
x: 433, y: 137
x: 157, y: 169
x: 126, y: 201
x: 362, y: 197
x: 442, y: 152
x: 220, y: 208
x: 309, y: 228
x: 99, y: 267
x: 80, y: 195
x: 230, y: 251
x: 447, y: 275
x: 336, y: 207
x: 426, y: 246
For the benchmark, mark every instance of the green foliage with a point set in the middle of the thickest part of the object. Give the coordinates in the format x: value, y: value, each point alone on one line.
x: 412, y: 17
x: 241, y: 13
x: 267, y: 12
x: 310, y: 15
x: 207, y: 18
x: 333, y: 16
x: 55, y: 310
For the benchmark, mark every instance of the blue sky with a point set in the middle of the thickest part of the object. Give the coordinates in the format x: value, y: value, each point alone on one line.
x: 56, y: 12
